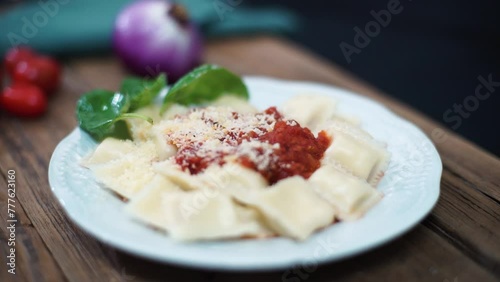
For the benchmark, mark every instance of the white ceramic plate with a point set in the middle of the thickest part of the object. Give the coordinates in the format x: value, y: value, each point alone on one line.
x: 410, y: 186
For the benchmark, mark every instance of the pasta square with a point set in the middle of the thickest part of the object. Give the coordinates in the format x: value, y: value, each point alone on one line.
x: 291, y: 208
x: 350, y: 195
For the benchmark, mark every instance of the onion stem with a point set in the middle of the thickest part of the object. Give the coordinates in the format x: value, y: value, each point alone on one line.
x: 179, y: 13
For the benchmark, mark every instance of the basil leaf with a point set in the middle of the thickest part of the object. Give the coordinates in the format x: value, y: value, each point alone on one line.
x: 99, y: 111
x: 142, y: 92
x: 204, y: 84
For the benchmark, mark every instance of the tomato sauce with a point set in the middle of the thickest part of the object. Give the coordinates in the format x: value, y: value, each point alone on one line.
x: 299, y: 151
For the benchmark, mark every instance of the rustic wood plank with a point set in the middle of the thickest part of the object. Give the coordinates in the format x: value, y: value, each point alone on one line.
x: 469, y: 219
x: 98, y: 72
x: 421, y: 255
x: 34, y: 262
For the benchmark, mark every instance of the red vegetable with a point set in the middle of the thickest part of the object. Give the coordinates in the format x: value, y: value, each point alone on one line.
x: 16, y: 55
x: 23, y: 100
x: 154, y: 36
x: 43, y: 72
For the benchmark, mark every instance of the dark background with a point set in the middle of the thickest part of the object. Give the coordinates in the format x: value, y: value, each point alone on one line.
x: 430, y: 54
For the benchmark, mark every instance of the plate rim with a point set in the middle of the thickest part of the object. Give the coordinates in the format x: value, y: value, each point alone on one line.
x: 435, y: 175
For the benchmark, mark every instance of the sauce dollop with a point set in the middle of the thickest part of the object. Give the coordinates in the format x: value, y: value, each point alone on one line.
x: 295, y: 149
x: 299, y: 152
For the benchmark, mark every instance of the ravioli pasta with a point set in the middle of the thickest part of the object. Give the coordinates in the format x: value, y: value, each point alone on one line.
x: 227, y: 193
x: 356, y: 151
x: 350, y: 196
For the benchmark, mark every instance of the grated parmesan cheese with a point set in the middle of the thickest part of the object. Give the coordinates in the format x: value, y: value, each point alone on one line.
x: 218, y: 134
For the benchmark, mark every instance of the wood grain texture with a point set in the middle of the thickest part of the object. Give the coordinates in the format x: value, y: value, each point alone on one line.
x: 421, y: 255
x: 33, y: 260
x: 469, y: 219
x: 457, y: 242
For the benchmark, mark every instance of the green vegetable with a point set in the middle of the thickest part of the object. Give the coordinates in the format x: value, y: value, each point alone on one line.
x: 101, y: 112
x: 142, y: 92
x: 204, y: 84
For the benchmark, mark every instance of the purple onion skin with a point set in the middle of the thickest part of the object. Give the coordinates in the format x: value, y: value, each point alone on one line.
x: 149, y: 40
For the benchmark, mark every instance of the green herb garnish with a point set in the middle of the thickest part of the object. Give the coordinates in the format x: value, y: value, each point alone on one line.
x: 204, y: 84
x: 101, y: 112
x: 142, y: 92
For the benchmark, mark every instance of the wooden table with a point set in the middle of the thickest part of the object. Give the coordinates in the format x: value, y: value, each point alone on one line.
x: 459, y: 241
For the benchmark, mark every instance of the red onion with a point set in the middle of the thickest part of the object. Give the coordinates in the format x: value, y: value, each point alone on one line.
x: 153, y: 36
